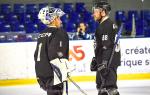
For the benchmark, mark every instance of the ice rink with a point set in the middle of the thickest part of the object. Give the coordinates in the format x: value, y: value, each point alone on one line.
x: 133, y: 87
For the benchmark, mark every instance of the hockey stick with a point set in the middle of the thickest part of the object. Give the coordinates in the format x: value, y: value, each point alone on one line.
x: 116, y: 42
x: 65, y: 87
x: 77, y: 86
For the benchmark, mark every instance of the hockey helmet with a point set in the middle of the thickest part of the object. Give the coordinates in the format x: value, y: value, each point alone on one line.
x: 103, y: 4
x: 48, y: 14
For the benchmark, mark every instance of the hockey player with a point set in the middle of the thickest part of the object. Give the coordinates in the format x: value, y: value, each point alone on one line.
x: 106, y: 77
x: 51, y: 54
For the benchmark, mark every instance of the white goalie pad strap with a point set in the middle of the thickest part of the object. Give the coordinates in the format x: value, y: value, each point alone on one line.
x: 62, y: 66
x: 69, y: 67
x: 56, y: 79
x: 64, y: 88
x: 56, y: 62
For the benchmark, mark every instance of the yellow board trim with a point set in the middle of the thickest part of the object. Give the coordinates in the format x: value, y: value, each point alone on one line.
x: 142, y: 76
x: 17, y: 82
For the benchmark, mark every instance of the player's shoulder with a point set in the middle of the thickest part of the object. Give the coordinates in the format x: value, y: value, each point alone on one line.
x: 113, y: 24
x: 65, y: 33
x: 45, y: 33
x: 109, y: 21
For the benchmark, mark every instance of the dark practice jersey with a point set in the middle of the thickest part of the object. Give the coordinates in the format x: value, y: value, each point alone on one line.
x: 105, y: 39
x: 52, y: 43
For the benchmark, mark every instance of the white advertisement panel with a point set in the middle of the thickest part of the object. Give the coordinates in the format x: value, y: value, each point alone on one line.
x: 135, y: 55
x: 81, y: 53
x: 17, y: 59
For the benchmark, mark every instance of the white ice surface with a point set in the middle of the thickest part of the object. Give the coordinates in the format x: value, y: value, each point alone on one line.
x: 125, y: 88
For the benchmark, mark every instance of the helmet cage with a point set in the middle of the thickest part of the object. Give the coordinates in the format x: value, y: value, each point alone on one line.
x: 48, y: 14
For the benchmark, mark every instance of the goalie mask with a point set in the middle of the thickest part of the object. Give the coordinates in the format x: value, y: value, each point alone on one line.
x: 48, y: 14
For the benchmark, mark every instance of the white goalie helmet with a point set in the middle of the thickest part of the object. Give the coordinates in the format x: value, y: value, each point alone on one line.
x: 48, y: 14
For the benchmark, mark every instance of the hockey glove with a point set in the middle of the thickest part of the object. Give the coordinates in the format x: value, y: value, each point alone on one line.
x: 93, y: 66
x: 102, y: 68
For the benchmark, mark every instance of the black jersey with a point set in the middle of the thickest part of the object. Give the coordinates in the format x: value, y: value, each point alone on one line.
x: 105, y: 39
x: 52, y: 43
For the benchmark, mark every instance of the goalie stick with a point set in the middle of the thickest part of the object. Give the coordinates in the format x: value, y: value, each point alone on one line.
x: 65, y: 88
x: 83, y: 92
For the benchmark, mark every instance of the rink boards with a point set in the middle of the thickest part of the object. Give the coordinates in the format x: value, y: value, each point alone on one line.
x: 17, y: 61
x: 82, y: 78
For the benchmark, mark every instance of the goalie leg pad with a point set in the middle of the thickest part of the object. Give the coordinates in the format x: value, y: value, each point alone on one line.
x: 57, y: 75
x: 55, y: 90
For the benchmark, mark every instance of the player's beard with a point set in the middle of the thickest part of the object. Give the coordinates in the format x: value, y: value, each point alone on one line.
x: 99, y: 19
